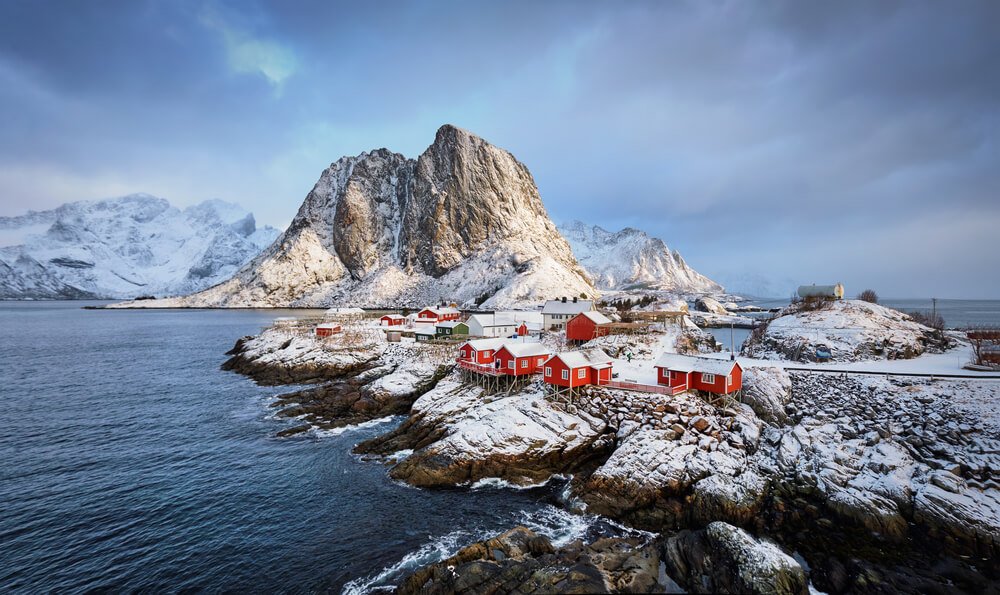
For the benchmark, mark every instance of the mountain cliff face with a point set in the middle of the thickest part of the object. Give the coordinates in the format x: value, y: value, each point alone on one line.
x: 632, y: 259
x: 123, y: 248
x: 463, y: 222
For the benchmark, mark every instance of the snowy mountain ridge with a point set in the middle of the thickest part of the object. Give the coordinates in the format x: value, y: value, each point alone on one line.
x: 125, y: 247
x: 462, y: 222
x: 630, y: 258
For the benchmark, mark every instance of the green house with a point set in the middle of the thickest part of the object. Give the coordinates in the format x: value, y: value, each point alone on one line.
x: 451, y: 327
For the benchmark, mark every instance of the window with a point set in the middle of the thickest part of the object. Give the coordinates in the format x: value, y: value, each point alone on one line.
x: 708, y: 378
x: 510, y: 364
x: 524, y: 364
x: 581, y: 373
x: 548, y: 371
x: 487, y: 353
x: 565, y: 375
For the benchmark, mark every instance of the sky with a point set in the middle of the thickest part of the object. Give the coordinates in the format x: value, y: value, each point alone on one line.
x: 772, y: 143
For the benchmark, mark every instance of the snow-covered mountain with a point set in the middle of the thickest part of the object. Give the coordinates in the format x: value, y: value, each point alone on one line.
x: 126, y: 247
x: 463, y: 222
x: 630, y: 259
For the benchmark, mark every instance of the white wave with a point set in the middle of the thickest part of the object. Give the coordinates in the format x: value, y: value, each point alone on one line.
x: 399, y: 455
x: 433, y: 551
x: 368, y: 424
x: 558, y: 525
x: 497, y: 483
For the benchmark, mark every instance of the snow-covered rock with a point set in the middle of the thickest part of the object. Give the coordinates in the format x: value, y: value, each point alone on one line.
x: 767, y: 391
x: 710, y: 305
x: 631, y: 259
x: 463, y: 222
x: 127, y: 247
x: 461, y: 435
x: 852, y: 330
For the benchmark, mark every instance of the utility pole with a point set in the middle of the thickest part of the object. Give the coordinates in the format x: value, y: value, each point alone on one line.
x: 934, y: 307
x: 732, y: 342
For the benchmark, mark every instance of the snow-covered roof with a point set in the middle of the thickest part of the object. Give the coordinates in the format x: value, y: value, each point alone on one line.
x: 484, y: 344
x: 596, y: 317
x: 593, y: 358
x: 425, y: 330
x: 332, y: 325
x: 394, y: 316
x: 687, y: 363
x: 567, y: 307
x: 487, y: 320
x: 526, y: 349
x: 450, y: 323
x: 442, y: 311
x: 430, y: 321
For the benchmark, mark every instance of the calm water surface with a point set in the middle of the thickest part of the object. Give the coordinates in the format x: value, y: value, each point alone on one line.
x: 129, y: 461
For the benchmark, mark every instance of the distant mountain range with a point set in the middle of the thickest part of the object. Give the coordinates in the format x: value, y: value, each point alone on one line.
x: 631, y: 259
x: 127, y: 247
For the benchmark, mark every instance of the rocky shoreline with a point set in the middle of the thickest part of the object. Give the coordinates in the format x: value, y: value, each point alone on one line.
x: 874, y: 484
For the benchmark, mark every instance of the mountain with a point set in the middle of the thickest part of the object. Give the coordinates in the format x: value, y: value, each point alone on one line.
x: 463, y: 222
x: 126, y: 247
x: 630, y: 259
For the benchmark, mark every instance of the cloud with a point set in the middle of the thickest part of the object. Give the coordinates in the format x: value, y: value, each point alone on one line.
x: 248, y: 54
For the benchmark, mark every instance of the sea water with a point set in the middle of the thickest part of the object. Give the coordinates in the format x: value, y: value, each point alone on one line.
x: 129, y: 461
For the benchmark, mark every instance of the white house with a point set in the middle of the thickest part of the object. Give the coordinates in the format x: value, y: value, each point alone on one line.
x: 556, y: 313
x: 491, y: 325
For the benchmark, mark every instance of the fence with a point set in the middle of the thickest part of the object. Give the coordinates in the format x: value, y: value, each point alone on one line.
x: 636, y: 386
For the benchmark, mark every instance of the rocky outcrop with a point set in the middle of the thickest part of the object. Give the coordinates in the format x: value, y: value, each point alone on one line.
x: 710, y: 305
x: 290, y: 356
x: 630, y: 259
x: 851, y: 330
x: 460, y: 435
x: 767, y: 391
x: 463, y: 222
x: 520, y: 561
x: 725, y: 559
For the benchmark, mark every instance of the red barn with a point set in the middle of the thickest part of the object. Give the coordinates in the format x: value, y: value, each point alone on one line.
x: 439, y: 314
x: 392, y: 320
x: 684, y: 372
x: 480, y: 351
x: 327, y: 329
x: 520, y: 359
x: 586, y: 326
x: 578, y: 368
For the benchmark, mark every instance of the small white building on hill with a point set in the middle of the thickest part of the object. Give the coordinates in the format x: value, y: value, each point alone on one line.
x: 492, y: 325
x: 556, y: 313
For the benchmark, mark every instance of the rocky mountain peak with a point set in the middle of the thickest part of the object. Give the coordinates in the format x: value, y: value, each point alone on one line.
x: 463, y: 221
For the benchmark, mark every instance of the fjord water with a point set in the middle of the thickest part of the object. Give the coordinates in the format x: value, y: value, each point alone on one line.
x: 129, y: 461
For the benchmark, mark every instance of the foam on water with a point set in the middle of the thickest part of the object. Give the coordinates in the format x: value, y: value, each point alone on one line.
x: 322, y: 433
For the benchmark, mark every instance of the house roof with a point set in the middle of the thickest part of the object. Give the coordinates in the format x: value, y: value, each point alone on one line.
x: 488, y: 320
x: 567, y: 307
x: 328, y: 325
x: 424, y: 330
x: 526, y: 349
x: 596, y: 317
x: 440, y: 311
x: 394, y: 316
x: 484, y: 344
x: 688, y: 363
x: 451, y: 323
x: 593, y: 358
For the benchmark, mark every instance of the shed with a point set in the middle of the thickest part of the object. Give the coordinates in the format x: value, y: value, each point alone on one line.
x: 424, y: 333
x: 521, y: 359
x: 578, y: 368
x: 685, y: 372
x: 392, y: 320
x: 586, y: 326
x: 327, y: 329
x: 452, y: 327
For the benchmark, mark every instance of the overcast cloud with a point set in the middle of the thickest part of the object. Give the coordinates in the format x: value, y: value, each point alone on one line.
x: 798, y: 141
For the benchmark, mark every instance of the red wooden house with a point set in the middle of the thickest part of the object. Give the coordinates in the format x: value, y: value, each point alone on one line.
x: 327, y: 329
x: 578, y: 368
x: 521, y: 359
x: 439, y: 314
x: 480, y: 351
x: 685, y: 372
x: 586, y: 326
x: 392, y: 320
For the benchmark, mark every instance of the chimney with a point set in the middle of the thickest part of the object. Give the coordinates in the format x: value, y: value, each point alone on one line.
x: 574, y: 299
x: 564, y: 299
